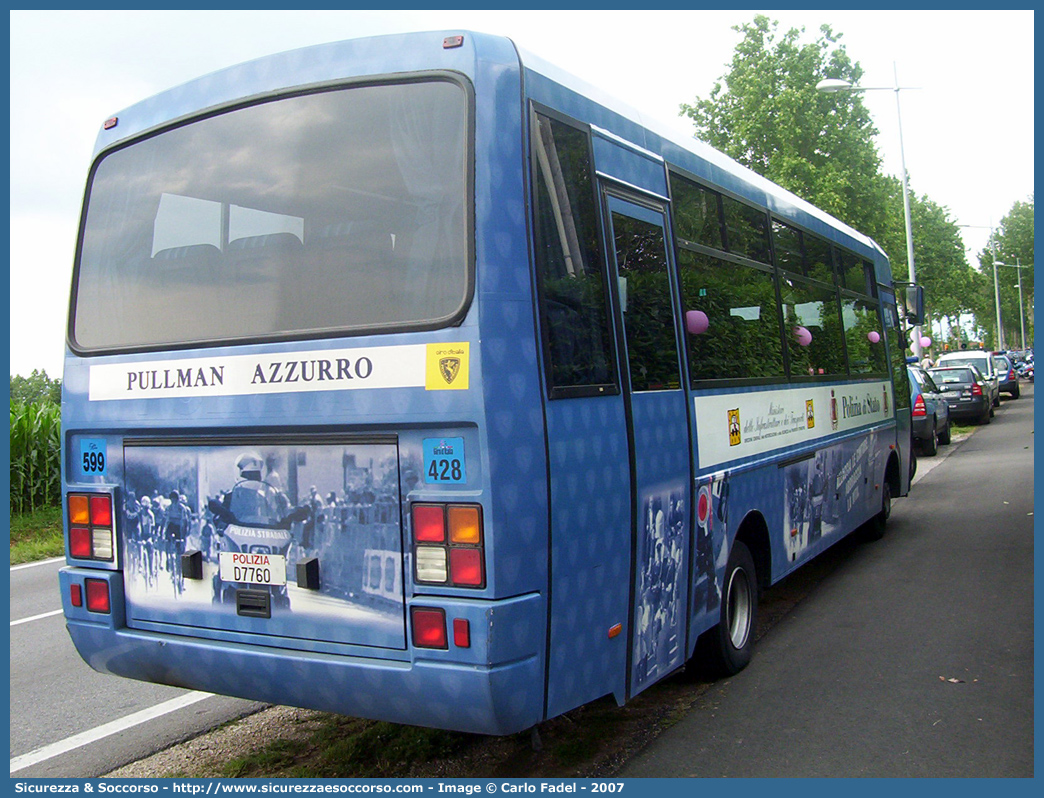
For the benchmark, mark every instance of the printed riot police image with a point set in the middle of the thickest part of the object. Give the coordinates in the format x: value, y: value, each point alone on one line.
x: 203, y: 524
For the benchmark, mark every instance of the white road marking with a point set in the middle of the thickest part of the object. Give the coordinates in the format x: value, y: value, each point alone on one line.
x: 36, y: 617
x: 38, y: 562
x: 105, y: 730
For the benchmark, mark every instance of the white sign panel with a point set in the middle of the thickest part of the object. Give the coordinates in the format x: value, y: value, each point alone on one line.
x: 737, y: 425
x: 428, y: 366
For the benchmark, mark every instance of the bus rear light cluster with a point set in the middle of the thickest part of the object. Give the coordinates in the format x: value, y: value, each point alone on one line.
x: 448, y: 546
x: 429, y: 629
x: 90, y: 526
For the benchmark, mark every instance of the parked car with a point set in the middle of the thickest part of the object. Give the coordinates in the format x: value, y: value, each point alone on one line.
x: 931, y: 412
x: 966, y: 392
x: 983, y: 361
x: 1009, y: 378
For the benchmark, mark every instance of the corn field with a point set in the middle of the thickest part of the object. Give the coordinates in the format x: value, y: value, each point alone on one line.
x: 35, y: 456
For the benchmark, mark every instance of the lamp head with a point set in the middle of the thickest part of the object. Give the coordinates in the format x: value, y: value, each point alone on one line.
x: 831, y: 85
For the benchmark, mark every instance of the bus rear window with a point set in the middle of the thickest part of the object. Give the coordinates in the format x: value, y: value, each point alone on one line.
x: 334, y: 212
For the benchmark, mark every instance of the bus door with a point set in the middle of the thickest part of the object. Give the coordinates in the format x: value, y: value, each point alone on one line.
x: 658, y: 424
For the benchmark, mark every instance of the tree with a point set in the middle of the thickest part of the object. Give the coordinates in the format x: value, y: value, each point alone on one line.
x: 37, y: 387
x: 941, y: 266
x: 1012, y: 241
x: 766, y: 113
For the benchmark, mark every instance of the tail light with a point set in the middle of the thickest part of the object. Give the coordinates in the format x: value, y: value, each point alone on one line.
x: 1011, y: 375
x: 97, y: 595
x: 919, y: 409
x: 448, y: 545
x: 976, y: 389
x: 429, y: 627
x: 90, y: 526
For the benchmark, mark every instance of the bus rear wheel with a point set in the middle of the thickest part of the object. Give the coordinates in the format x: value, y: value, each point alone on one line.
x: 874, y: 529
x: 726, y: 648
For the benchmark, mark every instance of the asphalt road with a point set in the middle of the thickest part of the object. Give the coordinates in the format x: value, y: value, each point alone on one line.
x: 913, y: 658
x: 68, y: 720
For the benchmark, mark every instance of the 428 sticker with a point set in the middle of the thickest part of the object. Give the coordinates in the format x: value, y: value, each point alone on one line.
x: 444, y: 461
x: 445, y: 471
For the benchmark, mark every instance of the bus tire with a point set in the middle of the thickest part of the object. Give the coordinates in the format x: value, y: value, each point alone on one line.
x: 726, y: 648
x: 876, y: 526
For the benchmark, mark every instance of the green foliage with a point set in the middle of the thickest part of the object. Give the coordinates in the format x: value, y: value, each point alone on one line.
x: 35, y: 456
x: 37, y: 387
x: 1012, y: 241
x: 766, y: 113
x: 36, y: 535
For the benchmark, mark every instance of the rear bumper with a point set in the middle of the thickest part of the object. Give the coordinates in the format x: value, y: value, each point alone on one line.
x: 498, y: 693
x: 970, y: 409
x: 922, y: 428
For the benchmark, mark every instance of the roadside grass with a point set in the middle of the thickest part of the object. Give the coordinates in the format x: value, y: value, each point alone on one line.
x: 339, y: 746
x: 36, y: 535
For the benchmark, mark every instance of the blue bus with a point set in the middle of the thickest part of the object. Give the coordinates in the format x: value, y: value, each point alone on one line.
x: 409, y: 378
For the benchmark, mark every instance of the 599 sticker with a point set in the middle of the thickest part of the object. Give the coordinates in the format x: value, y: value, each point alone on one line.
x: 92, y: 456
x: 444, y: 461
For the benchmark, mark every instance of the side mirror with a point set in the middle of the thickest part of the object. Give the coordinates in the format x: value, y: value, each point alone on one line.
x: 915, y: 304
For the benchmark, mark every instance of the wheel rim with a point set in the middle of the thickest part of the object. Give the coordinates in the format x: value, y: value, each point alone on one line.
x: 739, y: 608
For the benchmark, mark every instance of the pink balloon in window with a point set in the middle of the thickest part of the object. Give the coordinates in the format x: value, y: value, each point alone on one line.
x: 925, y: 342
x: 696, y: 322
x: 874, y: 336
x: 802, y: 336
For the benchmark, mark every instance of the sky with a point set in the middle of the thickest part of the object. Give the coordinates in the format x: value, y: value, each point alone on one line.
x: 966, y: 101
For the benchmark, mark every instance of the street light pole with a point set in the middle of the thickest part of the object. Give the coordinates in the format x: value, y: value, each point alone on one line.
x: 831, y: 85
x: 996, y: 300
x: 1022, y: 318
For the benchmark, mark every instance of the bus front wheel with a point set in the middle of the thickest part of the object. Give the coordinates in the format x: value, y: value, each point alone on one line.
x: 726, y: 648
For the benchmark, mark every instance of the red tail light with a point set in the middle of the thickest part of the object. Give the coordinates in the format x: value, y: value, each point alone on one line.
x: 1011, y: 374
x: 448, y: 545
x: 429, y: 627
x: 97, y: 595
x: 919, y: 408
x: 466, y: 567
x: 976, y: 389
x: 461, y: 633
x: 91, y: 534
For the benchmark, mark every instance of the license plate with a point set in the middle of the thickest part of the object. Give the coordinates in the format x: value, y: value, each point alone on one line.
x: 952, y: 394
x: 253, y: 569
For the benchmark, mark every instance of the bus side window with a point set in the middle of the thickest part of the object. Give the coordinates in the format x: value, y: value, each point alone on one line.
x: 741, y: 340
x: 572, y: 288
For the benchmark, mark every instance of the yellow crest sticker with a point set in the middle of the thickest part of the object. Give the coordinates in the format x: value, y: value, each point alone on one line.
x: 447, y: 367
x: 810, y: 414
x: 734, y: 428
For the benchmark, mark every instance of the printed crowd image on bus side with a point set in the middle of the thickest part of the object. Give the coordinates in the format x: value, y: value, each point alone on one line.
x: 408, y: 380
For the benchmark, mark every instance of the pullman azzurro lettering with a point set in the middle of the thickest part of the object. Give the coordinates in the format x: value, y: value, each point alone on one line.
x: 158, y: 380
x: 312, y: 371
